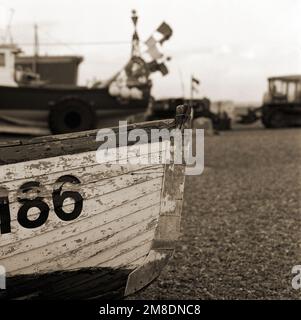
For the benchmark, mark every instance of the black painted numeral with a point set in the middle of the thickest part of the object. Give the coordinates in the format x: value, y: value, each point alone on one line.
x: 59, y: 198
x: 30, y: 195
x: 27, y: 204
x: 4, y: 212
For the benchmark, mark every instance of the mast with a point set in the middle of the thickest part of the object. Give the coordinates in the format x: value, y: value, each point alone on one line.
x: 135, y: 39
x: 8, y: 28
x: 36, y: 49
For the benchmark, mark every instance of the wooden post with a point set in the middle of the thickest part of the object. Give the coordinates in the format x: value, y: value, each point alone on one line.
x: 36, y: 49
x: 168, y: 229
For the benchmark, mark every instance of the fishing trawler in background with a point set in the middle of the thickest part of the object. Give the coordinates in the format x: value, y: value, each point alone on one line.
x: 33, y: 104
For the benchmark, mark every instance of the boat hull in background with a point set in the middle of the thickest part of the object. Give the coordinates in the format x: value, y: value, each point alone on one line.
x: 43, y: 107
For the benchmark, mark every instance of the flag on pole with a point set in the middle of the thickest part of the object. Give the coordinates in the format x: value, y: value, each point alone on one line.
x: 194, y: 84
x: 195, y: 81
x: 152, y: 66
x: 155, y: 66
x: 165, y: 31
x: 150, y: 42
x: 154, y: 56
x: 163, y: 69
x: 152, y: 48
x: 154, y: 52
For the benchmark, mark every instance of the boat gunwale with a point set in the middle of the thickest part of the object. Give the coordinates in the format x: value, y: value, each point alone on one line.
x: 16, y: 151
x: 166, y: 123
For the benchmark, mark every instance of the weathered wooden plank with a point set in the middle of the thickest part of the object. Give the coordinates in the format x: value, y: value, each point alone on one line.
x: 105, y: 257
x: 75, y: 284
x: 92, y: 199
x: 87, y: 174
x: 35, y: 168
x: 65, y: 144
x: 87, y: 190
x: 168, y: 229
x: 92, y: 254
x: 134, y: 261
x: 131, y: 257
x: 91, y: 207
x: 129, y: 262
x: 149, y: 269
x: 173, y: 188
x: 90, y: 134
x: 77, y: 233
x: 117, y: 230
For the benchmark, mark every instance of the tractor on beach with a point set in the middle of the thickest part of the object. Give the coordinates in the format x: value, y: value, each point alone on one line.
x: 281, y: 107
x: 282, y: 103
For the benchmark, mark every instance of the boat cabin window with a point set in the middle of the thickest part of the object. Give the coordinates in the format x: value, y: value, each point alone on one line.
x: 298, y: 94
x: 278, y: 87
x: 2, y: 60
x: 291, y: 91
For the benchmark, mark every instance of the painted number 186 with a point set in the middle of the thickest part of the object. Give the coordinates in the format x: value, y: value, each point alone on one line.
x: 30, y: 195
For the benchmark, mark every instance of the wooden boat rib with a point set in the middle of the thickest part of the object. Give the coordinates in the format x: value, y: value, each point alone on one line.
x: 71, y: 227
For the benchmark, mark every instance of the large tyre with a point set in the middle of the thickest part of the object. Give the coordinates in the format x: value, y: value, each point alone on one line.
x: 265, y: 122
x: 71, y: 115
x: 274, y: 120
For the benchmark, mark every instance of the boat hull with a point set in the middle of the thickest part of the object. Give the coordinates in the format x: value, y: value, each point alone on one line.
x: 100, y: 283
x: 73, y: 226
x: 36, y: 104
x: 42, y: 98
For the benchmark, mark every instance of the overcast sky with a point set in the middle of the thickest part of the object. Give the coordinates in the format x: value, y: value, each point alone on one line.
x: 232, y: 46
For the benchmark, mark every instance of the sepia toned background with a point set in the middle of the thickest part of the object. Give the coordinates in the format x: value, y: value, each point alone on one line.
x: 232, y: 46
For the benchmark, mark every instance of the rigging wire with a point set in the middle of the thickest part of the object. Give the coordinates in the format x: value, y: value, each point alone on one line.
x: 95, y: 43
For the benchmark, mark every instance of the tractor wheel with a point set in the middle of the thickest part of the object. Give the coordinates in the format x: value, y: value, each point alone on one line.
x: 265, y: 122
x: 71, y: 115
x: 277, y: 120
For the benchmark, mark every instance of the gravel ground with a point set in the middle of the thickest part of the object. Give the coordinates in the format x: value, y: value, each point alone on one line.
x: 241, y: 226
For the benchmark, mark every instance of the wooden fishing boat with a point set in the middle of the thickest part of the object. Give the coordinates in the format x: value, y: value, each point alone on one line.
x: 35, y: 105
x: 73, y: 227
x: 66, y: 109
